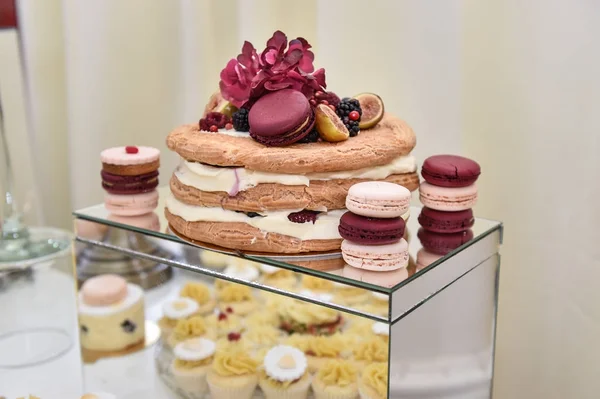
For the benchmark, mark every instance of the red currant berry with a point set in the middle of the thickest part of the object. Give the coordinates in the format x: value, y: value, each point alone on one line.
x: 354, y: 115
x: 228, y: 126
x: 313, y: 102
x: 222, y: 316
x: 131, y: 149
x: 213, y: 128
x: 319, y: 93
x: 229, y: 309
x: 233, y: 336
x: 325, y: 102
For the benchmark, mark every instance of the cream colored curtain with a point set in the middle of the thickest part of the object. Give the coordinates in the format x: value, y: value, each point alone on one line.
x: 513, y: 84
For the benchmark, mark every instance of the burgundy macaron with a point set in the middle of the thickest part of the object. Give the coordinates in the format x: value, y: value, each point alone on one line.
x: 450, y: 171
x: 446, y: 222
x: 281, y: 118
x: 116, y: 184
x: 371, y: 231
x: 439, y: 243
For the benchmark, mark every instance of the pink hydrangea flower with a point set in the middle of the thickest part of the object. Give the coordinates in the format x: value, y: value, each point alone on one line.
x: 279, y: 66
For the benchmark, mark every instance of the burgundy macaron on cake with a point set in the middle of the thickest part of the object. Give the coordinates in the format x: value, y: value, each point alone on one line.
x: 371, y: 231
x: 281, y: 118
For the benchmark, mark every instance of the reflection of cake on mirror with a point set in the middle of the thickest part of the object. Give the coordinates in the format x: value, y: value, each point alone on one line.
x: 111, y: 314
x: 269, y: 165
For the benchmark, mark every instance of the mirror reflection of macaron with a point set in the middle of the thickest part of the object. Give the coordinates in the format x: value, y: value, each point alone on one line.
x: 442, y: 244
x: 425, y: 258
x: 446, y: 222
x: 148, y: 221
x: 383, y: 279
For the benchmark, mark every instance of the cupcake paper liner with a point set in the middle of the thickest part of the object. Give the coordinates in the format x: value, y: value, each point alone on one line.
x: 231, y: 391
x: 298, y: 390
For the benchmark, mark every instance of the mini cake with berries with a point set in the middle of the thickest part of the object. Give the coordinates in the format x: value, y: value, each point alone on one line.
x: 269, y: 165
x: 111, y: 314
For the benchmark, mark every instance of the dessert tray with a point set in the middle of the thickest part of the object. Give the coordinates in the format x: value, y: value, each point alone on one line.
x: 293, y: 206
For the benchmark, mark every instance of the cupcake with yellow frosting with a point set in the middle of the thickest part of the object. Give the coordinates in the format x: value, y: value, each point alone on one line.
x: 193, y: 358
x: 262, y: 317
x: 223, y: 323
x: 381, y: 330
x: 199, y: 293
x: 238, y: 298
x: 262, y: 337
x: 316, y: 284
x: 337, y: 379
x: 214, y: 260
x: 373, y: 383
x: 318, y: 350
x: 233, y: 375
x: 194, y: 327
x: 307, y: 318
x: 277, y: 277
x: 347, y: 295
x: 284, y: 374
x: 370, y: 351
x: 175, y: 310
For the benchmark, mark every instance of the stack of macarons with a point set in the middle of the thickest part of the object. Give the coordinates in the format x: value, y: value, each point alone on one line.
x: 281, y: 118
x: 448, y: 194
x: 130, y: 177
x: 373, y: 228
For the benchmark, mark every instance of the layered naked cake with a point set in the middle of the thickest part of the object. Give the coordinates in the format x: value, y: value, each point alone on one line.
x: 268, y: 169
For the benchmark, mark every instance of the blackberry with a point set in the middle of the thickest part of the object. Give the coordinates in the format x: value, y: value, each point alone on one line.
x: 250, y: 214
x: 240, y: 120
x: 344, y: 108
x: 312, y: 137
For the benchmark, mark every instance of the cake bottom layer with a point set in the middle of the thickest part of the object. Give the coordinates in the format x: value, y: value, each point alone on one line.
x: 319, y: 195
x: 242, y: 236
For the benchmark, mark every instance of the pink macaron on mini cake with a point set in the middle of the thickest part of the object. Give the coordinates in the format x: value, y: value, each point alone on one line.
x: 130, y: 177
x: 448, y: 194
x: 373, y: 228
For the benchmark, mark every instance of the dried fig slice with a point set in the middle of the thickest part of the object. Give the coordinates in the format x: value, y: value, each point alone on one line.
x: 372, y: 110
x: 329, y: 125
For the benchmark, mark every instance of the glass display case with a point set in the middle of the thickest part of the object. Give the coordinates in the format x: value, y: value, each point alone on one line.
x: 426, y: 331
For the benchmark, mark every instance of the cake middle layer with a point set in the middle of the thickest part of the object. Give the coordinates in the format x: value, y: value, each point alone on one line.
x: 269, y: 232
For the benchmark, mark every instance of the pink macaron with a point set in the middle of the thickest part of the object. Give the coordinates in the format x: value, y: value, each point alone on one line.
x: 378, y: 199
x: 104, y: 290
x: 449, y: 199
x: 131, y: 204
x: 376, y: 257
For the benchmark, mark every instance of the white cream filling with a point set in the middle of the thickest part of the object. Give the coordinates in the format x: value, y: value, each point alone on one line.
x: 134, y: 295
x: 233, y: 180
x: 325, y: 227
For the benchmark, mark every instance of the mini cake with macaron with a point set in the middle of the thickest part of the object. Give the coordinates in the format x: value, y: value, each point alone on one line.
x: 448, y: 194
x: 111, y: 314
x: 373, y: 227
